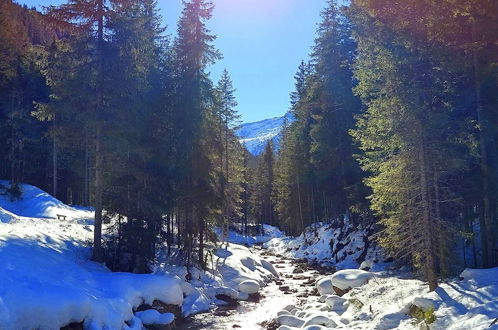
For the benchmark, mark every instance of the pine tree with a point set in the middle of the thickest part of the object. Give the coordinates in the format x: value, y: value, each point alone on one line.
x: 408, y: 139
x: 228, y: 119
x: 90, y: 18
x: 334, y: 106
x: 192, y: 53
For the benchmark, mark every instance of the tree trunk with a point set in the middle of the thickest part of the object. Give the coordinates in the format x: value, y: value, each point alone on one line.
x: 54, y: 168
x: 201, y: 244
x: 489, y: 232
x: 428, y: 250
x: 97, y: 236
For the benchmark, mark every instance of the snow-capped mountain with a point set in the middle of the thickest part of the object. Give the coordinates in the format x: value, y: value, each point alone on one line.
x: 255, y: 135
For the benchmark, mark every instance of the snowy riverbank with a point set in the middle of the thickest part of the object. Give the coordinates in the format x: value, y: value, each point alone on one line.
x: 47, y: 280
x: 383, y: 297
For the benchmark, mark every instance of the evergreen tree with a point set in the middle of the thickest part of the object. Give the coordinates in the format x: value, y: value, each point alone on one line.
x: 228, y: 119
x: 407, y: 136
x: 193, y: 51
x: 334, y: 106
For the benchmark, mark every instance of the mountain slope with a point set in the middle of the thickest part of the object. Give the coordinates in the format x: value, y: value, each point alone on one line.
x: 255, y: 135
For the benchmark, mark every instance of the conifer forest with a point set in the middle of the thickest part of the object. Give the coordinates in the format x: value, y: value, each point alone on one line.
x: 124, y: 171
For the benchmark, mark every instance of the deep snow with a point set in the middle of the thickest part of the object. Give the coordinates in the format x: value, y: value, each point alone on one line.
x: 47, y: 280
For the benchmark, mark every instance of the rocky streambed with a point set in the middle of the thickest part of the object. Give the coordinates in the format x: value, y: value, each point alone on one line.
x: 295, y: 286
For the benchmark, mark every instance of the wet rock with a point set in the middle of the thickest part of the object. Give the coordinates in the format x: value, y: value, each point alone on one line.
x: 283, y: 288
x: 73, y: 326
x: 227, y: 292
x: 221, y: 312
x: 255, y: 297
x: 297, y: 271
x: 161, y: 308
x: 229, y: 300
x: 270, y: 325
x: 341, y: 292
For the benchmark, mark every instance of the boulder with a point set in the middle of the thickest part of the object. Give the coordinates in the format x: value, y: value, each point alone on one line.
x: 324, y: 286
x: 320, y: 320
x: 231, y: 293
x: 350, y: 278
x: 290, y: 320
x: 366, y: 265
x: 337, y: 304
x: 153, y: 317
x: 249, y: 287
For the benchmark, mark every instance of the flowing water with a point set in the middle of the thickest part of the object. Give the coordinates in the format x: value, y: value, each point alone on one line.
x: 295, y: 285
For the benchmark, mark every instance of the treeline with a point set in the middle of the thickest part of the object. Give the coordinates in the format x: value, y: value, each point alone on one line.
x: 113, y: 114
x: 408, y: 91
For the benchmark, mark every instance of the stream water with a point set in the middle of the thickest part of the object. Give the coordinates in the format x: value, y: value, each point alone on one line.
x: 295, y: 285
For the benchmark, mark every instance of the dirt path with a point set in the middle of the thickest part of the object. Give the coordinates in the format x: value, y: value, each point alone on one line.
x: 296, y: 285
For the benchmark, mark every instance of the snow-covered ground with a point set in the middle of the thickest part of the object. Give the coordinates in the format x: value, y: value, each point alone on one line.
x: 37, y: 203
x: 386, y: 301
x: 383, y: 297
x: 339, y: 245
x: 47, y: 280
x: 235, y: 236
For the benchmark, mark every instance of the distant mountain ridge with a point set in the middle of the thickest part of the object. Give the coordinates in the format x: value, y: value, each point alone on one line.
x: 255, y: 135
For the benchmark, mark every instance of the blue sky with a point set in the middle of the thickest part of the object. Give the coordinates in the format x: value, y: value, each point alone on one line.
x: 262, y: 41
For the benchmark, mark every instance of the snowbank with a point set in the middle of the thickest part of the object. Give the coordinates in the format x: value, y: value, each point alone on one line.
x: 46, y: 279
x: 385, y: 302
x: 340, y: 244
x: 37, y: 203
x: 234, y: 272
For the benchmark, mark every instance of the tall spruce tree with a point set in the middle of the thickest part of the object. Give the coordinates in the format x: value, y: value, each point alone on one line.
x: 408, y: 138
x: 193, y: 51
